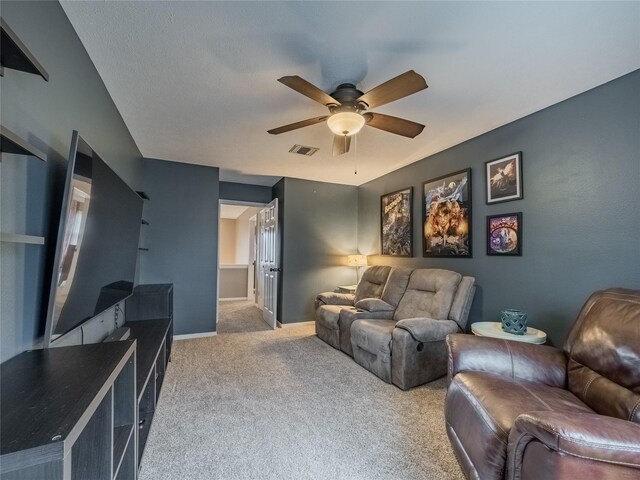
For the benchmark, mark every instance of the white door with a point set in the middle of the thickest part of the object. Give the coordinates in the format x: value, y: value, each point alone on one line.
x: 269, y: 249
x: 252, y: 290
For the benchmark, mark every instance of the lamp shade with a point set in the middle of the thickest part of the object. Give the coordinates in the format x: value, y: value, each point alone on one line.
x: 345, y: 123
x: 357, y: 260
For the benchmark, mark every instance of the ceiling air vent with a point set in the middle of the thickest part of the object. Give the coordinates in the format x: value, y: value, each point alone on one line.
x: 302, y: 150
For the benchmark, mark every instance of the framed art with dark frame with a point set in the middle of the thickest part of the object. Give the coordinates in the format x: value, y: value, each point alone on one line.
x: 503, y: 178
x: 446, y: 216
x: 396, y: 223
x: 504, y: 234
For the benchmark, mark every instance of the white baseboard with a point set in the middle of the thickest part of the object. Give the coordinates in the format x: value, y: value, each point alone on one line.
x: 188, y: 336
x: 233, y: 298
x: 297, y: 324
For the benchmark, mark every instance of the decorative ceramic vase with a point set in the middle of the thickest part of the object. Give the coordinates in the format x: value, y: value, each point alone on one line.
x: 514, y: 321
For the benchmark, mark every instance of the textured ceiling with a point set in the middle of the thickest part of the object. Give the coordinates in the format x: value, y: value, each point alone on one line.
x: 196, y: 82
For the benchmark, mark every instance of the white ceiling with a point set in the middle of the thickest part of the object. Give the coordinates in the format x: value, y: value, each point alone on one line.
x: 196, y: 82
x: 231, y: 211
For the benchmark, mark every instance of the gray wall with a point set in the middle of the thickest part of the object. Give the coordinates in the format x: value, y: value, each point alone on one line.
x: 245, y: 192
x: 581, y: 223
x: 45, y: 114
x: 320, y: 229
x: 182, y: 239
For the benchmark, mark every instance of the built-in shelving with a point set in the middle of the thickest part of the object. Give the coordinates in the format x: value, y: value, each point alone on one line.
x: 18, y: 238
x: 15, y: 55
x: 12, y: 143
x: 144, y: 196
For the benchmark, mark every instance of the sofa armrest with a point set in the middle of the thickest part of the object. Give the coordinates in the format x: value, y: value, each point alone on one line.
x: 586, y: 435
x: 525, y: 361
x: 374, y: 305
x: 425, y: 330
x: 333, y: 298
x: 348, y: 316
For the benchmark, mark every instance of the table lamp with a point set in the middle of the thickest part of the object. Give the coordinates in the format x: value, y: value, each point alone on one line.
x: 357, y: 261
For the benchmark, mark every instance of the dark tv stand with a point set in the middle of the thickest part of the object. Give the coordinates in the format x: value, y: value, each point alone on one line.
x: 70, y: 413
x: 149, y: 314
x: 84, y: 412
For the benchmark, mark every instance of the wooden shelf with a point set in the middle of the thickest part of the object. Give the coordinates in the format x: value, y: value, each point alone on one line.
x: 121, y: 438
x: 12, y: 143
x: 15, y: 55
x: 18, y: 238
x: 58, y: 411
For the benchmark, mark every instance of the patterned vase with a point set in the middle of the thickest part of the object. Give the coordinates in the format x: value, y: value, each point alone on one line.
x: 514, y: 321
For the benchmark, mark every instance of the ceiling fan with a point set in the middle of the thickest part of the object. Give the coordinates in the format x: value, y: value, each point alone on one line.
x: 349, y: 107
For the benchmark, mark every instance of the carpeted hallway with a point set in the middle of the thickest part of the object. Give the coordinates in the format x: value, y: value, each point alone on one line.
x: 240, y: 316
x: 281, y: 404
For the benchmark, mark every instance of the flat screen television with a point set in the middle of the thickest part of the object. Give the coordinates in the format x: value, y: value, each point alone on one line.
x: 97, y: 247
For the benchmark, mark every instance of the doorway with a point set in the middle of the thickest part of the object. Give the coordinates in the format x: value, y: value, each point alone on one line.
x: 247, y: 266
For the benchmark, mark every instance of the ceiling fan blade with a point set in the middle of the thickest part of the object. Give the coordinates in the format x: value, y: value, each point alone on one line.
x: 300, y: 85
x: 341, y: 144
x: 401, y: 86
x: 396, y: 125
x: 295, y: 126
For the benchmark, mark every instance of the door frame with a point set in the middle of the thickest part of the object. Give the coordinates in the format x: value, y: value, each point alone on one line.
x: 227, y: 202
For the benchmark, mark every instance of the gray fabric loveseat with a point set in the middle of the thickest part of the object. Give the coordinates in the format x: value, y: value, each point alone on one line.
x: 409, y: 349
x: 413, y: 310
x: 377, y: 296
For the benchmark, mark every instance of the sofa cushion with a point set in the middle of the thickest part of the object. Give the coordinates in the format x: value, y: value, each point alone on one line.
x: 604, y: 355
x: 372, y: 282
x: 481, y: 409
x: 396, y: 285
x: 429, y: 294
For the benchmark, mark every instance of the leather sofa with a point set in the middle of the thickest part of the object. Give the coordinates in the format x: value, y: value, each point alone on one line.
x: 520, y: 411
x: 408, y: 348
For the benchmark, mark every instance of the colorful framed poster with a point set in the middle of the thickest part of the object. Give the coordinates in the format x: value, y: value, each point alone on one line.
x: 503, y: 178
x: 446, y: 216
x: 504, y: 234
x: 396, y: 223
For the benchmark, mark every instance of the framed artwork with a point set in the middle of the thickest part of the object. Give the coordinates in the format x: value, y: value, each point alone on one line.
x: 396, y: 223
x: 504, y: 234
x: 503, y: 178
x: 446, y: 216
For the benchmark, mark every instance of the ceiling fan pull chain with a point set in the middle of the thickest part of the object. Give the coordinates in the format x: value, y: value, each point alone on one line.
x: 355, y: 153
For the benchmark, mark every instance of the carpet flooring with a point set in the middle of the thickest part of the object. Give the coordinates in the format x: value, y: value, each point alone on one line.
x: 240, y: 316
x: 282, y: 404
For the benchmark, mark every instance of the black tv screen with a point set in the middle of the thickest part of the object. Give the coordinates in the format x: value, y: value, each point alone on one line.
x: 97, y: 247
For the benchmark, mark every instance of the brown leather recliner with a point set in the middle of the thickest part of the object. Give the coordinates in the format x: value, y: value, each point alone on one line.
x: 520, y: 411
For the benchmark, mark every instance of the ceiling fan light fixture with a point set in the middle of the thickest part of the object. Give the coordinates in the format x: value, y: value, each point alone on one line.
x: 345, y: 123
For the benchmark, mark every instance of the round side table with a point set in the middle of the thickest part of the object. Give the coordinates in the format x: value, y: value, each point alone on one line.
x: 494, y: 329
